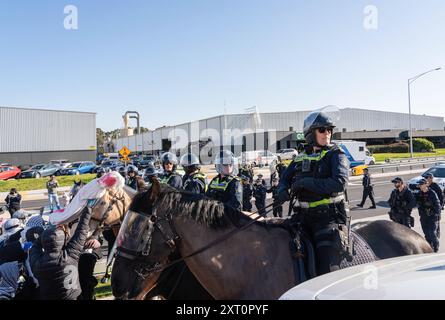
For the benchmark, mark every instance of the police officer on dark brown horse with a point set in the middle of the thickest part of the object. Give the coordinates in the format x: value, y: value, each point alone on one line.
x: 318, y: 178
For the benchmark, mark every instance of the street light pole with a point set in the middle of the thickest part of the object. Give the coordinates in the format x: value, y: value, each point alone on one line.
x: 411, y: 80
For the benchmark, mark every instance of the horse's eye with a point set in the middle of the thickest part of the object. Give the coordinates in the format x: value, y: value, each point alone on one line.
x: 153, y: 219
x: 102, y: 203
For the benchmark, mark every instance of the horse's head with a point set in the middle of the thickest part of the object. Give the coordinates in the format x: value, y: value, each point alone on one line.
x: 148, y: 243
x: 145, y: 243
x: 109, y: 211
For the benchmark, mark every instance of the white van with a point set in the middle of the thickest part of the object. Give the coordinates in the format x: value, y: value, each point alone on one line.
x: 356, y: 152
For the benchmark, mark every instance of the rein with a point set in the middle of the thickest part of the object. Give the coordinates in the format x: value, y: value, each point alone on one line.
x: 144, y: 272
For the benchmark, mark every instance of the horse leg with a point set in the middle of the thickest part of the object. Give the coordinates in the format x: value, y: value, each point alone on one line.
x: 389, y: 239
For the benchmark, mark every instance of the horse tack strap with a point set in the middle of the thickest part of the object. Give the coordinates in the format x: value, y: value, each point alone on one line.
x: 206, y: 247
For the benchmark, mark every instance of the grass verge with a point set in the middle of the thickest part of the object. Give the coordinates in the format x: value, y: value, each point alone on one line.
x: 37, y: 184
x: 381, y: 157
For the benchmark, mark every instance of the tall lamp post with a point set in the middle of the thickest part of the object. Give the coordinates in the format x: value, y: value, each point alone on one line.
x: 411, y: 80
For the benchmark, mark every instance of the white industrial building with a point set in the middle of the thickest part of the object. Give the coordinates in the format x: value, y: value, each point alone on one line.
x: 30, y: 136
x: 273, y: 130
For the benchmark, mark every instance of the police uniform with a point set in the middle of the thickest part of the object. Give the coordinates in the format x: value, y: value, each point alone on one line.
x: 429, y: 211
x: 247, y: 196
x: 172, y: 179
x: 318, y: 181
x: 135, y: 183
x: 227, y: 190
x: 368, y: 191
x: 196, y: 183
x: 435, y: 187
x: 259, y: 192
x: 401, y: 203
x: 277, y: 207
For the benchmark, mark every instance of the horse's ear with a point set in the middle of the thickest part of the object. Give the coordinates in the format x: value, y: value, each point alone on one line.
x: 155, y: 189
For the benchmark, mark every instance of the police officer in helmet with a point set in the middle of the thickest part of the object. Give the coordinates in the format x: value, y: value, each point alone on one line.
x: 429, y: 211
x: 317, y: 178
x: 193, y: 180
x: 150, y: 174
x: 226, y: 186
x: 402, y: 202
x: 134, y: 181
x: 170, y: 176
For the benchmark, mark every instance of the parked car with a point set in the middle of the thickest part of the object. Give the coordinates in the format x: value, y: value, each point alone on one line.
x: 40, y: 170
x: 258, y: 158
x: 109, y: 164
x: 287, y: 154
x: 61, y: 163
x: 9, y: 172
x: 413, y: 277
x: 77, y: 168
x: 146, y: 161
x: 438, y: 171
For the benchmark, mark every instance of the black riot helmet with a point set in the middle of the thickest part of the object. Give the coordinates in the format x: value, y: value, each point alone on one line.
x: 315, y: 120
x: 169, y: 157
x: 131, y: 169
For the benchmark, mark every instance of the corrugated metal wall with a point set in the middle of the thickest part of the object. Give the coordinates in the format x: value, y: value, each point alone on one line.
x: 351, y: 119
x: 32, y: 130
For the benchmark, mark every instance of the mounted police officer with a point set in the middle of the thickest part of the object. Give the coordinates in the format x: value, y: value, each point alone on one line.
x: 170, y: 176
x: 134, y: 180
x: 150, y: 174
x: 318, y: 178
x: 247, y: 194
x: 429, y: 211
x: 226, y: 186
x: 368, y: 190
x: 193, y: 180
x: 401, y: 201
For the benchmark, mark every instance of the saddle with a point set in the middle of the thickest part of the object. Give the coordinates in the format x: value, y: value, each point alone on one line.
x: 304, y: 254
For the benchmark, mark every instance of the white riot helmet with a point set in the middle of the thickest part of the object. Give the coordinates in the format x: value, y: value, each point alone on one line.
x: 226, y: 158
x: 190, y: 162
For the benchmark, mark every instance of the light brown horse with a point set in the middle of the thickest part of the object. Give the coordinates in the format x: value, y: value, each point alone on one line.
x: 254, y: 263
x: 110, y: 210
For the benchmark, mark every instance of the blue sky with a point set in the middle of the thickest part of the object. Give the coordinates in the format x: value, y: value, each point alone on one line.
x: 182, y: 60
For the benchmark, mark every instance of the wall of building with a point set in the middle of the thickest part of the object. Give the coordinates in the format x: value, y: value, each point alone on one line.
x: 32, y: 130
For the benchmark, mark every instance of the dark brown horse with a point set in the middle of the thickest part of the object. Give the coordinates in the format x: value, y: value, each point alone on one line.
x: 253, y: 263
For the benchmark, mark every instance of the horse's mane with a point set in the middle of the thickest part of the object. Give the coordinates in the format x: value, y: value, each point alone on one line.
x: 211, y: 213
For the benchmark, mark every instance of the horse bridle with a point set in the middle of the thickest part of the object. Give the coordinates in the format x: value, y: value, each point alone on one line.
x: 102, y: 225
x: 154, y: 220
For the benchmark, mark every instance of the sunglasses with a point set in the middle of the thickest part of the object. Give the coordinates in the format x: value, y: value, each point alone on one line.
x: 323, y: 130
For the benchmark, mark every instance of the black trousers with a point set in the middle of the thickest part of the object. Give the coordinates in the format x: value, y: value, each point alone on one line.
x: 368, y: 192
x: 327, y: 246
x: 247, y: 205
x: 88, y: 282
x: 260, y: 205
x: 277, y: 210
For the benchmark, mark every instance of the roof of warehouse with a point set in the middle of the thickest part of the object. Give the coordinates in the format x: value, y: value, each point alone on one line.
x: 38, y: 109
x: 287, y: 112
